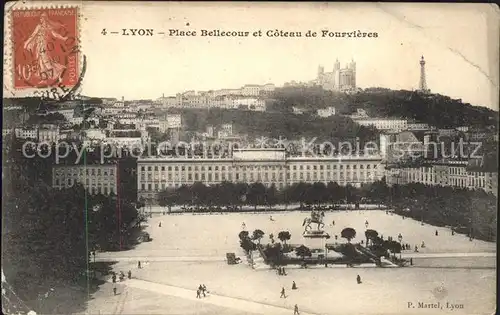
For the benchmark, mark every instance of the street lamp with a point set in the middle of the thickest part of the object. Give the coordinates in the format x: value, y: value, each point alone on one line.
x: 400, y: 239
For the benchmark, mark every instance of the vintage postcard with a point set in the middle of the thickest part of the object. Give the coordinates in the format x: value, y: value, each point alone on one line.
x: 249, y: 158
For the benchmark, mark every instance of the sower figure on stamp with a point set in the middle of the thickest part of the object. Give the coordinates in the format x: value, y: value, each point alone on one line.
x: 37, y: 43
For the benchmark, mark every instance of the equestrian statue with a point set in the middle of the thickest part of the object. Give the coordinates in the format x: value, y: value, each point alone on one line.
x: 316, y: 217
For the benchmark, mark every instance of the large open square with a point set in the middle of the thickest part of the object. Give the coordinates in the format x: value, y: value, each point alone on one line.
x: 189, y: 250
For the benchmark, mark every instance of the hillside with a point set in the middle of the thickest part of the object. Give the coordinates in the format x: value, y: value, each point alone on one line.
x: 437, y: 110
x: 276, y: 124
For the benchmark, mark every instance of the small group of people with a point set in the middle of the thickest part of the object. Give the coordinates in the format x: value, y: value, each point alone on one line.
x: 121, y: 276
x: 283, y: 295
x: 281, y: 271
x: 422, y: 246
x: 406, y: 246
x: 202, y: 289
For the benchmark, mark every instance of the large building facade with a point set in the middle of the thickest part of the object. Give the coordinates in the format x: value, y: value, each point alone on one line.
x: 392, y: 124
x: 96, y: 178
x: 254, y: 165
x: 445, y: 173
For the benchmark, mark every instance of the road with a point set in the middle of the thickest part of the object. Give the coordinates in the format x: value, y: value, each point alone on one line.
x: 110, y: 258
x: 241, y: 305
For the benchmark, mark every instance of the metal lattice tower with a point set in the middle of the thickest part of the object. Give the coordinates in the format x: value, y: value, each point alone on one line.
x: 423, y: 84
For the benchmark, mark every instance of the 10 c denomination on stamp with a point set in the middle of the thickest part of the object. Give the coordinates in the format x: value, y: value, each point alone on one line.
x: 46, y: 50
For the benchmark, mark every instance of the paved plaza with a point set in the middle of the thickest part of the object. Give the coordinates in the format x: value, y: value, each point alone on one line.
x: 189, y: 250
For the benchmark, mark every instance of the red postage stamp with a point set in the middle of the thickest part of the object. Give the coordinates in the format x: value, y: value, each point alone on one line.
x: 45, y: 43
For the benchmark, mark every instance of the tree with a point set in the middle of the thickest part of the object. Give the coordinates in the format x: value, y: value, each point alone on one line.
x: 318, y: 193
x: 284, y: 236
x: 395, y: 247
x: 240, y: 193
x: 199, y: 193
x: 271, y: 196
x: 303, y: 251
x: 370, y: 235
x: 348, y: 233
x: 335, y: 192
x: 297, y: 191
x: 243, y: 235
x: 274, y: 253
x: 257, y: 235
x: 247, y: 245
x: 256, y: 194
x: 378, y: 191
x: 167, y: 198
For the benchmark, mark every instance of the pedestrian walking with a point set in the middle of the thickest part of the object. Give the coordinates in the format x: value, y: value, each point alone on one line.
x: 358, y: 279
x: 423, y: 244
x: 294, y: 286
x: 416, y: 249
x: 114, y: 290
x: 283, y: 271
x: 204, y: 290
x: 139, y: 264
x: 436, y: 232
x: 411, y: 261
x: 114, y: 277
x: 159, y: 224
x: 452, y: 232
x: 283, y: 293
x: 198, y: 294
x: 296, y: 310
x: 130, y: 274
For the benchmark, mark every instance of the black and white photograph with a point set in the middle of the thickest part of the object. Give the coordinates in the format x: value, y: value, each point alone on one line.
x: 246, y: 158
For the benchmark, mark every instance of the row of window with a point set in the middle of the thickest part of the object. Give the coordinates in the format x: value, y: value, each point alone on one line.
x: 223, y: 168
x: 252, y: 176
x: 453, y: 181
x: 91, y: 171
x: 96, y: 190
x: 71, y: 181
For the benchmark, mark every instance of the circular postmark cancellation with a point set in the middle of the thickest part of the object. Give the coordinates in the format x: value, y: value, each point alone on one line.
x: 440, y: 292
x: 46, y: 48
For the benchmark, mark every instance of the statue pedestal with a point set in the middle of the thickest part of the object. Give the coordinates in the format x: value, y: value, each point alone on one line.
x: 315, y: 239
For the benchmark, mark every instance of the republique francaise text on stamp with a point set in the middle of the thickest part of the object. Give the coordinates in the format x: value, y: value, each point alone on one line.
x: 45, y: 47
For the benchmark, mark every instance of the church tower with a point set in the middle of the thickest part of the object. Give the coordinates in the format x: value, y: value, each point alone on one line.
x: 336, y: 66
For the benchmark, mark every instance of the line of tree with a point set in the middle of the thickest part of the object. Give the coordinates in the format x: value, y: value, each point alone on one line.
x: 473, y: 210
x: 229, y: 194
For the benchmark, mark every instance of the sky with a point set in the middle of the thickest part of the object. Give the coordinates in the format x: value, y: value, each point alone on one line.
x: 458, y: 42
